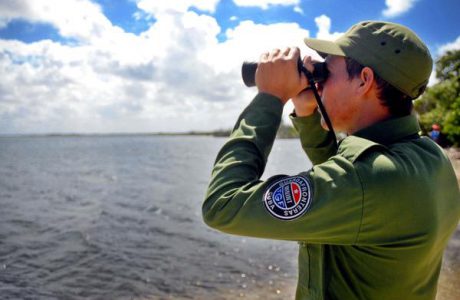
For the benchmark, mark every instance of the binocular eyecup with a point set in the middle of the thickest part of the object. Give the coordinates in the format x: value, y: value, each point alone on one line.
x: 319, y: 74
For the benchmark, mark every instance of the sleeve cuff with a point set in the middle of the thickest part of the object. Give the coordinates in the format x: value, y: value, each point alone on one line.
x: 305, y: 122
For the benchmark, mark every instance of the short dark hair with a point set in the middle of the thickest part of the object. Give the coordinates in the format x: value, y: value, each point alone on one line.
x: 398, y: 103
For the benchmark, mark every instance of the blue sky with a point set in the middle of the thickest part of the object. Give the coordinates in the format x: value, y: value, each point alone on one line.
x: 147, y: 65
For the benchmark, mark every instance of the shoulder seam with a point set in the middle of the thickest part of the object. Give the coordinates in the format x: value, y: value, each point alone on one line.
x: 353, y: 153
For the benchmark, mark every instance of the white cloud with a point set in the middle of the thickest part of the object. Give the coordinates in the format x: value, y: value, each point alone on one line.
x: 175, y: 76
x: 298, y: 10
x: 12, y: 9
x: 397, y: 7
x: 455, y: 45
x: 323, y: 23
x: 248, y: 41
x: 78, y: 19
x: 156, y: 7
x: 264, y: 4
x: 124, y: 77
x: 432, y: 80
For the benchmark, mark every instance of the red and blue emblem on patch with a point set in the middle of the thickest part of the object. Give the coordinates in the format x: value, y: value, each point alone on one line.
x: 288, y: 198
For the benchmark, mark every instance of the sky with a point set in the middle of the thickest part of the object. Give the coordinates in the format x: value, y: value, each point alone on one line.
x: 138, y: 66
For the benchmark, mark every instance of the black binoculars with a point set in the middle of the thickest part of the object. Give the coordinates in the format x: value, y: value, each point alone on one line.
x: 319, y: 74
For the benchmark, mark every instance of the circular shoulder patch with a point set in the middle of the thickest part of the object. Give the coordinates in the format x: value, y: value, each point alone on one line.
x: 288, y: 198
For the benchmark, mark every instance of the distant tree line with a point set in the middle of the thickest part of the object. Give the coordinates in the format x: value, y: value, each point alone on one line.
x: 440, y: 104
x: 287, y: 132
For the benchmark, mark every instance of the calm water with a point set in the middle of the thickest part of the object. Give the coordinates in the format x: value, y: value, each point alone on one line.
x: 120, y: 218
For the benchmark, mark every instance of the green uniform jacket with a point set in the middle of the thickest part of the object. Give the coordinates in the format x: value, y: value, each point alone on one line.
x: 372, y: 217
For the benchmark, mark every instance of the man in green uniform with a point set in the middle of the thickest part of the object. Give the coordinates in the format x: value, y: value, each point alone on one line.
x: 373, y: 215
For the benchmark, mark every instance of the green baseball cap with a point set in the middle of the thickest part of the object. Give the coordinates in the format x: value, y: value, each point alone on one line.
x: 393, y: 51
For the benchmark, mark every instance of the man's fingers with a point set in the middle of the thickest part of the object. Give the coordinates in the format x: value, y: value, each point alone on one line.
x: 264, y: 57
x: 286, y: 51
x: 277, y: 73
x: 293, y: 53
x: 274, y: 54
x: 308, y: 63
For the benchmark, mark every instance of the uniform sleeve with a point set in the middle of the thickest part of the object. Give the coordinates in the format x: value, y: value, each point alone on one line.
x: 317, y: 143
x: 321, y: 205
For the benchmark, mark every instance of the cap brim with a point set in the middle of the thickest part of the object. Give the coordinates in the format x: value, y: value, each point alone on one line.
x: 324, y: 47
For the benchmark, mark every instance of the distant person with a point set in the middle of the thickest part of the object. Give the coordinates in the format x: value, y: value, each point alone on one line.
x: 435, y: 133
x: 373, y: 215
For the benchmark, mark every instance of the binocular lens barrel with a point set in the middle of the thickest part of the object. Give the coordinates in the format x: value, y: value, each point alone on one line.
x: 248, y: 72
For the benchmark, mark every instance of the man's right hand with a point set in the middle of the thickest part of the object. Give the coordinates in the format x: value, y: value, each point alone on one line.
x: 305, y: 102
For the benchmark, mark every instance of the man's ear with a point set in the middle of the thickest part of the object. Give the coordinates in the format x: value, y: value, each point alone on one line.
x: 366, y: 80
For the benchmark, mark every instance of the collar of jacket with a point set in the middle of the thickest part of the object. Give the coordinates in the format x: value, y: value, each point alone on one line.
x: 390, y: 131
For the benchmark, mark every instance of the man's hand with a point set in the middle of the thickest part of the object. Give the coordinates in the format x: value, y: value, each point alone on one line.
x: 277, y: 74
x: 305, y: 102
